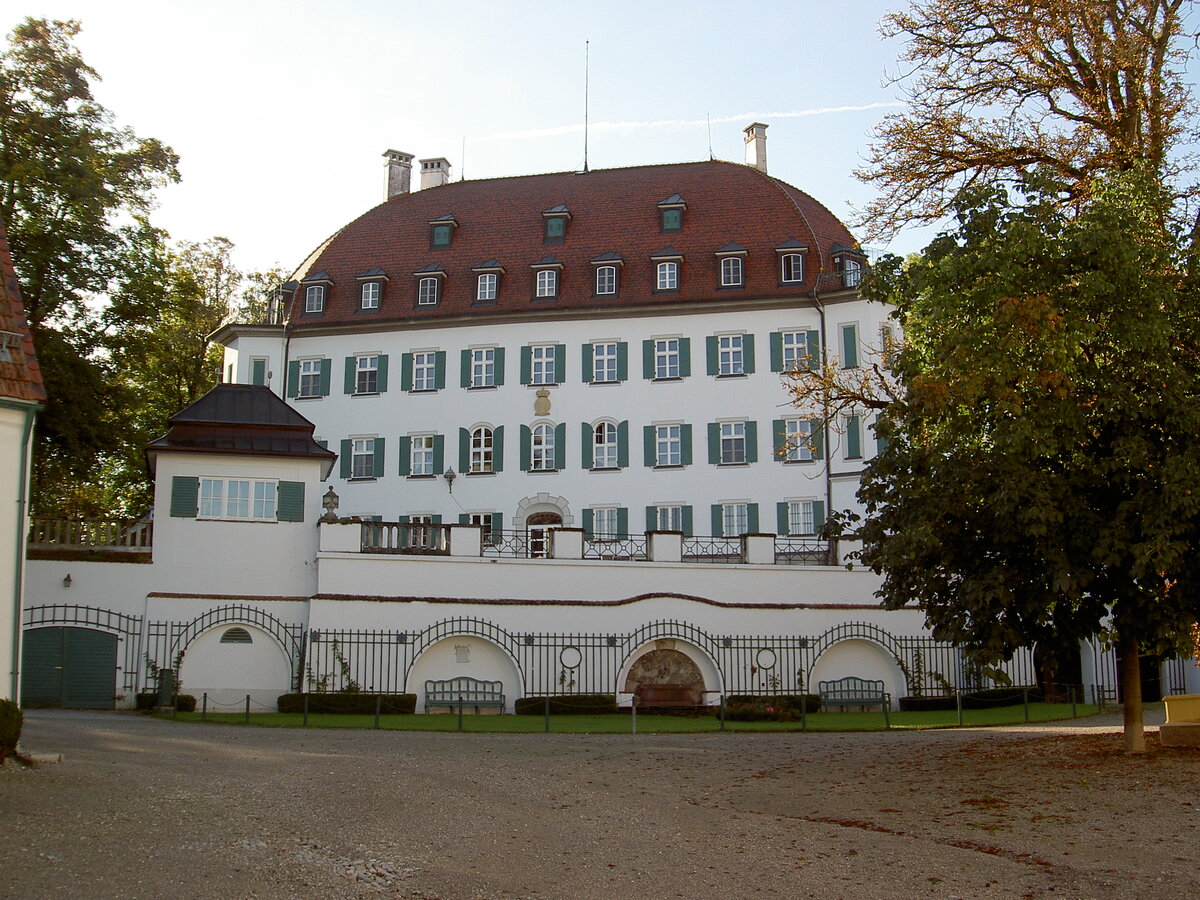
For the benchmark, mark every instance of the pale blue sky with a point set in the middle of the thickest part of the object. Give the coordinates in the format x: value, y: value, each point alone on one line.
x: 280, y: 111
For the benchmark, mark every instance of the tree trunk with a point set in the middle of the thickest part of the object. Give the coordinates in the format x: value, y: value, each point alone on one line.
x: 1131, y: 693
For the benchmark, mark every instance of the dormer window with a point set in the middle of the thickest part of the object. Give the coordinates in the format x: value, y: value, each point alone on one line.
x: 370, y: 295
x: 546, y: 278
x: 848, y: 262
x: 666, y: 270
x: 315, y: 289
x: 791, y: 268
x: 429, y: 285
x: 370, y: 288
x: 607, y: 274
x: 556, y: 224
x: 671, y: 211
x: 441, y: 231
x: 732, y: 260
x: 487, y: 281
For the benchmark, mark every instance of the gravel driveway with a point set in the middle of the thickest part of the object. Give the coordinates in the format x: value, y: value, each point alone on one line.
x: 148, y: 808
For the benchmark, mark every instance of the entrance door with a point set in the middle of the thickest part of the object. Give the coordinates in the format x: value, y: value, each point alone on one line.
x: 538, y: 527
x: 69, y: 667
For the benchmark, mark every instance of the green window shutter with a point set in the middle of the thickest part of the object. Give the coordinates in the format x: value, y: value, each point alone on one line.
x: 585, y: 364
x: 818, y: 515
x: 324, y: 445
x: 651, y: 518
x: 685, y: 445
x: 326, y: 375
x: 687, y: 521
x: 381, y: 375
x: 351, y: 363
x: 623, y: 444
x: 498, y: 448
x: 751, y: 442
x: 854, y: 437
x: 711, y: 355
x: 648, y: 359
x: 345, y: 466
x: 588, y: 530
x: 649, y: 445
x: 779, y: 439
x: 258, y: 371
x: 185, y: 496
x: 439, y: 454
x: 403, y: 520
x: 380, y: 456
x: 714, y: 443
x: 497, y: 528
x: 464, y: 450
x: 406, y: 369
x: 586, y: 445
x: 748, y: 354
x: 881, y: 443
x: 813, y: 349
x: 776, y: 341
x: 439, y: 370
x: 622, y: 523
x: 781, y: 517
x: 499, y: 366
x: 293, y: 378
x: 752, y: 517
x: 291, y: 502
x: 526, y: 447
x: 436, y: 519
x: 849, y: 346
x: 718, y: 520
x: 560, y: 363
x: 405, y: 455
x: 685, y: 357
x: 526, y: 365
x: 464, y: 519
x: 560, y: 446
x: 817, y: 438
x: 465, y: 368
x: 622, y: 361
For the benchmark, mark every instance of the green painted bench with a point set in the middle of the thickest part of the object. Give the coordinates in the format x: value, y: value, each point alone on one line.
x: 473, y: 692
x: 853, y: 691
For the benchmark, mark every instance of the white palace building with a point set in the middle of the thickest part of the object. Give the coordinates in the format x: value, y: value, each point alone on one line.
x: 531, y: 430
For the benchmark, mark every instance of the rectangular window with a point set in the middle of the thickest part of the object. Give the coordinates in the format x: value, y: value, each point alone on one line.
x: 421, y: 455
x: 735, y: 519
x: 733, y: 443
x: 604, y: 524
x: 541, y: 362
x: 483, y: 367
x: 730, y: 357
x: 606, y: 280
x: 666, y: 358
x: 362, y: 458
x: 427, y: 291
x: 484, y: 521
x: 668, y: 276
x: 798, y: 435
x: 441, y: 235
x: 236, y: 498
x: 366, y: 375
x: 556, y: 227
x: 801, y: 520
x: 310, y: 378
x: 669, y: 518
x: 370, y: 295
x: 485, y: 287
x: 851, y: 272
x: 424, y: 371
x: 795, y: 350
x: 672, y: 220
x: 792, y: 267
x: 731, y: 271
x: 547, y: 282
x: 604, y: 362
x: 668, y: 445
x: 314, y: 298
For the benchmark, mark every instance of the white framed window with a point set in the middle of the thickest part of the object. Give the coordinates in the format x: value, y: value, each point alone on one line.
x: 791, y: 267
x: 370, y: 295
x: 604, y: 362
x: 362, y: 457
x: 606, y: 280
x: 731, y: 271
x: 604, y: 523
x: 485, y: 286
x: 541, y: 449
x: 310, y: 378
x: 668, y: 445
x: 421, y: 455
x: 801, y: 518
x: 424, y: 371
x: 798, y: 435
x: 667, y: 276
x: 730, y: 356
x: 366, y: 375
x: 604, y: 446
x: 314, y: 298
x: 669, y: 518
x: 547, y: 283
x: 252, y: 499
x: 851, y: 272
x: 485, y: 522
x: 795, y: 350
x: 427, y: 291
x: 735, y: 519
x: 541, y: 365
x: 666, y: 358
x: 483, y: 367
x: 733, y: 443
x: 481, y: 449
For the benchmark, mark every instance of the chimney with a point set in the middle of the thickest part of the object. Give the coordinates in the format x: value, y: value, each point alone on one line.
x: 399, y: 173
x: 756, y: 146
x: 434, y: 172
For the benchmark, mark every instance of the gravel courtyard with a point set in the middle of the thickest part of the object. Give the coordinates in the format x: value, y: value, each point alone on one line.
x: 149, y: 808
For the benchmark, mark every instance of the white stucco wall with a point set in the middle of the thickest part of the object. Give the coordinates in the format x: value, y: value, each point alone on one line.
x: 15, y: 447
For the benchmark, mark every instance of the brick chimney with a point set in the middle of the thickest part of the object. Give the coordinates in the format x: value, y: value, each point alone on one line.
x: 434, y: 172
x: 756, y: 146
x: 399, y: 173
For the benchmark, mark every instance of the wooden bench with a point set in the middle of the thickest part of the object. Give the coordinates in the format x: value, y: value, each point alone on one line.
x: 854, y: 691
x: 472, y: 692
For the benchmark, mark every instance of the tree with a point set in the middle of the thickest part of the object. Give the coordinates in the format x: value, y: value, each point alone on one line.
x: 1082, y: 89
x: 1040, y: 479
x: 67, y: 174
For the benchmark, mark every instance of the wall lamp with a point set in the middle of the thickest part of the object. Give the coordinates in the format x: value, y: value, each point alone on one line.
x: 67, y: 581
x: 449, y: 475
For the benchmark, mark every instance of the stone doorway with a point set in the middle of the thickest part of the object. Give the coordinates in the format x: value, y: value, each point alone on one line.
x: 537, y: 530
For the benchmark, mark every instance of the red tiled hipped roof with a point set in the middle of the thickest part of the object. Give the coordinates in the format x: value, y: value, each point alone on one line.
x: 613, y: 211
x: 20, y: 377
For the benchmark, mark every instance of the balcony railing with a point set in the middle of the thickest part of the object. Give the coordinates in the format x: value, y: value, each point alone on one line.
x: 405, y: 538
x: 123, y: 535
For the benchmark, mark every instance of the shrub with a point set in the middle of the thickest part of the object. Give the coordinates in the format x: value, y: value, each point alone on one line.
x: 567, y: 705
x: 349, y: 703
x: 11, y: 720
x: 148, y: 701
x: 778, y: 708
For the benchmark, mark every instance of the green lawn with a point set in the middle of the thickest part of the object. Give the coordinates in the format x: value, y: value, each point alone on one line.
x: 648, y: 724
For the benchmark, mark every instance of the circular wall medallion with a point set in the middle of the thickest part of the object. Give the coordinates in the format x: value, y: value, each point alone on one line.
x: 570, y: 657
x: 765, y: 658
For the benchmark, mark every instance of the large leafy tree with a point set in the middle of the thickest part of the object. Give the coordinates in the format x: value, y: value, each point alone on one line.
x: 1041, y: 476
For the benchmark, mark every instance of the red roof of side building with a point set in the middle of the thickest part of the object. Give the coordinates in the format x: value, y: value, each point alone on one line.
x: 611, y: 212
x: 20, y: 375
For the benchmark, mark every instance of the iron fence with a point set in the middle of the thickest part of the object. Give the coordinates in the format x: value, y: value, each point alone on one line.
x: 127, y: 628
x: 712, y: 550
x: 803, y: 552
x: 632, y: 547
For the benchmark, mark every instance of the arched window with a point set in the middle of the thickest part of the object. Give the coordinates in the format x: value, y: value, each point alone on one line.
x: 668, y: 276
x: 604, y: 450
x: 427, y: 292
x: 792, y: 267
x: 236, y: 636
x: 481, y: 449
x: 606, y: 280
x: 541, y: 449
x: 731, y: 271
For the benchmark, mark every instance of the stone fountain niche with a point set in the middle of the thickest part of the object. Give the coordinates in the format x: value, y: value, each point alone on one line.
x: 665, y: 677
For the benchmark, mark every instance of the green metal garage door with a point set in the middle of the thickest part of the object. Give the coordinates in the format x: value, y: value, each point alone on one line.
x: 69, y: 667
